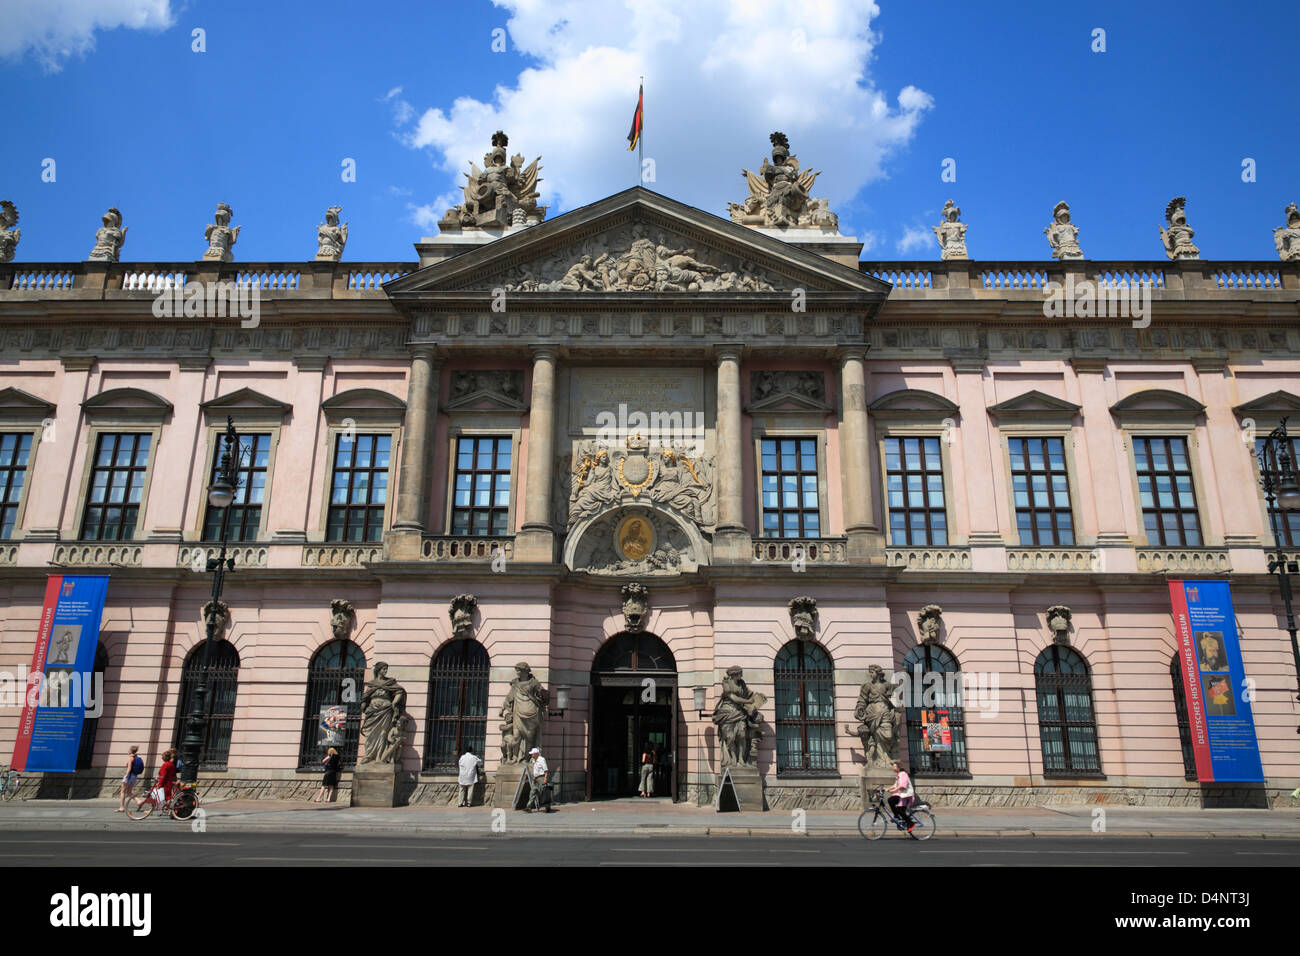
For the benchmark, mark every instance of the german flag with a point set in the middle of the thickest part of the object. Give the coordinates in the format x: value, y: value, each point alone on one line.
x: 634, y: 134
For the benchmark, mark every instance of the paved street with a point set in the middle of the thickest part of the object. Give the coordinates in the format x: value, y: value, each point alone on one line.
x: 175, y: 845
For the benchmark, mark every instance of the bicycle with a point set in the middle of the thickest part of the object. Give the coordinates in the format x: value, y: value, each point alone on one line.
x: 184, y: 801
x: 882, y: 815
x: 9, y: 781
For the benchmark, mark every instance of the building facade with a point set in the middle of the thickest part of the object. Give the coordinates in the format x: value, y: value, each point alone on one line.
x: 809, y: 464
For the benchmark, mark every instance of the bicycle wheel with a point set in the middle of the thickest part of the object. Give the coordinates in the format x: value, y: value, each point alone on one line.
x: 139, y: 811
x: 874, y: 828
x: 925, y: 825
x: 184, y: 805
x: 11, y: 785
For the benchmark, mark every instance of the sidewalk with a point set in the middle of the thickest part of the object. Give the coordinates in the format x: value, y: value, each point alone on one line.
x: 652, y: 818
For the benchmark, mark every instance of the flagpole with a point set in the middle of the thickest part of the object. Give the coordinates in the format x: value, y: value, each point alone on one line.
x: 640, y: 140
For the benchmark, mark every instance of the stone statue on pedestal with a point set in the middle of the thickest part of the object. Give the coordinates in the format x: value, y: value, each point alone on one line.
x: 383, y: 717
x: 1177, y: 238
x: 1287, y: 238
x: 1063, y: 235
x: 740, y: 725
x: 780, y: 195
x: 331, y: 237
x: 221, y: 238
x: 879, y: 718
x: 500, y: 194
x: 9, y: 236
x: 951, y: 233
x: 109, y: 238
x: 522, y: 715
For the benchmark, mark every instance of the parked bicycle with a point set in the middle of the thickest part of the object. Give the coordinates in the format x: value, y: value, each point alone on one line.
x: 875, y: 820
x: 184, y: 801
x: 9, y: 781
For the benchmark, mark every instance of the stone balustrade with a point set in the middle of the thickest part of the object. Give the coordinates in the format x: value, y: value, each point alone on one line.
x: 1052, y: 559
x: 465, y: 548
x: 196, y: 557
x: 341, y: 555
x: 1181, y: 560
x: 929, y: 559
x: 808, y: 550
x: 98, y: 554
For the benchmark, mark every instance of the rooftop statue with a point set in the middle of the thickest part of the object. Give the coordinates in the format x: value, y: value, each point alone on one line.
x: 1178, y: 237
x: 780, y: 195
x: 109, y: 238
x: 501, y: 194
x: 9, y: 236
x: 221, y: 238
x: 331, y: 237
x: 1287, y: 238
x: 951, y: 233
x: 1063, y: 235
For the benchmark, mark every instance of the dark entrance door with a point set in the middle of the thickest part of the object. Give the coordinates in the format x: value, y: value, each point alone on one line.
x: 634, y: 706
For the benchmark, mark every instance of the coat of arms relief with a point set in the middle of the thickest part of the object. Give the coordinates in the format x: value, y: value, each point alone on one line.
x: 638, y: 496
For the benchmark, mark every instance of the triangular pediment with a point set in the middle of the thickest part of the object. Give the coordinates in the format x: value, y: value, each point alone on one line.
x: 1033, y: 405
x: 16, y: 400
x: 1279, y: 402
x: 793, y: 391
x: 638, y: 241
x: 245, y: 404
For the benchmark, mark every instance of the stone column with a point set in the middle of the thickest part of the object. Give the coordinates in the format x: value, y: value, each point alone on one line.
x: 865, y: 542
x: 731, y: 542
x: 536, y: 542
x: 410, y: 510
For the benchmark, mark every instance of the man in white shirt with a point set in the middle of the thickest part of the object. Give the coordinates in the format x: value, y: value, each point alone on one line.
x: 468, y: 777
x: 540, y: 792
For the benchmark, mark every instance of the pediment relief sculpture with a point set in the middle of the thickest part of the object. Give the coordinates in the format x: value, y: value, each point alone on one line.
x: 780, y: 195
x: 635, y: 542
x: 499, y: 387
x: 805, y: 388
x: 670, y: 475
x: 631, y: 260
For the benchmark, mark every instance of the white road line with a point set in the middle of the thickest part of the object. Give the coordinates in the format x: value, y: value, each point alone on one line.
x: 1074, y: 852
x: 700, y: 863
x: 665, y: 849
x: 170, y: 843
x: 325, y: 859
x: 382, y: 846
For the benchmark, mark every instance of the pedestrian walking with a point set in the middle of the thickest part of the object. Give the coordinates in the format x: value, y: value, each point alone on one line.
x: 329, y: 784
x: 541, y: 791
x: 468, y: 777
x: 647, y: 772
x: 134, y: 767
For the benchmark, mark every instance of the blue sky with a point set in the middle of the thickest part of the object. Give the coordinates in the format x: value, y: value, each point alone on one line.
x: 263, y: 120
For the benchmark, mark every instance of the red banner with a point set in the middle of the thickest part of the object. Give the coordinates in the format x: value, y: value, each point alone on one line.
x: 1191, y: 683
x: 52, y: 587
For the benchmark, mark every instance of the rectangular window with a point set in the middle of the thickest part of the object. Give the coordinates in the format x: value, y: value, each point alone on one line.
x: 1165, y: 493
x: 250, y: 493
x: 359, y: 489
x: 15, y: 450
x: 914, y: 488
x: 1284, y: 524
x: 116, y: 486
x: 1041, y: 490
x: 790, y: 500
x: 482, y: 497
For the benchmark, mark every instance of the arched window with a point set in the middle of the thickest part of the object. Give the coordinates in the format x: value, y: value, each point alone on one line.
x: 936, y: 720
x: 458, y: 694
x: 223, y: 682
x: 805, y: 710
x: 90, y: 725
x: 637, y: 651
x: 1067, y: 727
x: 336, y: 675
x: 1184, y: 722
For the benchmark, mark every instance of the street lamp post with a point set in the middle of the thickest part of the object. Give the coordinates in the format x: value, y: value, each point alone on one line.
x: 221, y: 495
x: 1277, y: 476
x: 561, y: 705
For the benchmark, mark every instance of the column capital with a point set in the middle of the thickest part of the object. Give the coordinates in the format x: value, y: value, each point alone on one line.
x: 423, y: 351
x: 849, y: 353
x: 728, y: 351
x: 543, y: 352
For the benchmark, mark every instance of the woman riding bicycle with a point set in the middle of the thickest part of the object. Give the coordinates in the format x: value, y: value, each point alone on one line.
x: 902, y: 796
x: 166, y: 781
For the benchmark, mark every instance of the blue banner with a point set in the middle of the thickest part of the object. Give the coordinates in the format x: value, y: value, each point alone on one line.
x: 1214, y: 681
x: 61, y: 682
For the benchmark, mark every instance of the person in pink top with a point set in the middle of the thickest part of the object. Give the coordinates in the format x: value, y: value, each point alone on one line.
x: 902, y: 795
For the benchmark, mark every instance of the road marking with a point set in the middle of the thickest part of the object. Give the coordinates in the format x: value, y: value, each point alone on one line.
x: 325, y: 859
x: 384, y: 846
x: 170, y: 843
x: 663, y: 849
x: 690, y: 863
x: 1072, y: 852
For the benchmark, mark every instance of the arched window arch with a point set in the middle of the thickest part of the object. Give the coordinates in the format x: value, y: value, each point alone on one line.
x: 335, y: 675
x: 936, y: 720
x: 805, y: 710
x: 1067, y: 724
x: 458, y: 694
x: 634, y: 651
x: 223, y: 682
x: 1184, y: 721
x: 90, y: 725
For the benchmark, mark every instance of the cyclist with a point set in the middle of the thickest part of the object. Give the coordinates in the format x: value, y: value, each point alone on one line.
x: 166, y: 781
x: 902, y: 796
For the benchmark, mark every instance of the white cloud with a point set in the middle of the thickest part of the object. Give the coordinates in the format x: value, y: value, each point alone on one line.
x: 426, y: 216
x: 915, y: 238
x: 721, y: 75
x: 56, y: 30
x: 402, y: 110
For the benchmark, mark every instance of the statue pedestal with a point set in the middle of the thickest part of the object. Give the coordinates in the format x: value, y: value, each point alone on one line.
x: 508, y: 793
x: 747, y: 783
x: 375, y: 785
x: 869, y: 778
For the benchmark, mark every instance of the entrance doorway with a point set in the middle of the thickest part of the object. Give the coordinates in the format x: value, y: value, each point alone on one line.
x: 634, y: 708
